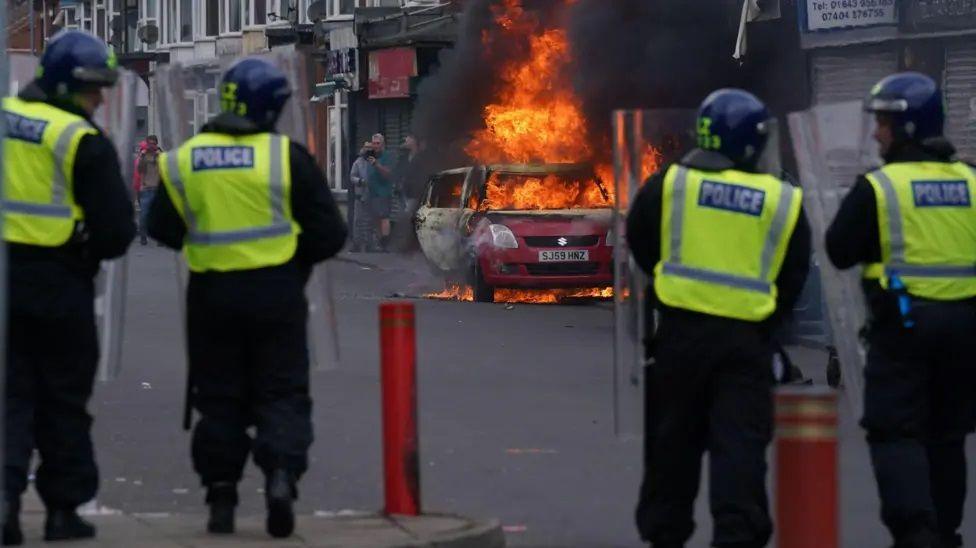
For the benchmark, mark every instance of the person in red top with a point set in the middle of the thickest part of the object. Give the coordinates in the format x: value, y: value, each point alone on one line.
x: 146, y: 180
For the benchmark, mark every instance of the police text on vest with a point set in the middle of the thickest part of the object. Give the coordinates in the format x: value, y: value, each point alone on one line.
x: 941, y: 193
x: 735, y: 198
x: 24, y: 129
x: 222, y: 158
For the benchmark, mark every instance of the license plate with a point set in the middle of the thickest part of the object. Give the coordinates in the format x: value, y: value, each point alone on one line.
x: 564, y: 256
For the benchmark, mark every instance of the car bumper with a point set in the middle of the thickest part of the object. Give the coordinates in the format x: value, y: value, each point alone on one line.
x: 521, y: 268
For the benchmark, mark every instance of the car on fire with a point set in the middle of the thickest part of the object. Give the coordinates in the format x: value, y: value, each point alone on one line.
x: 519, y: 226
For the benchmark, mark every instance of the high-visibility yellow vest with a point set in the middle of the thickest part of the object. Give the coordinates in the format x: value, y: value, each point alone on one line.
x: 234, y: 194
x: 927, y: 224
x: 38, y: 172
x: 724, y: 237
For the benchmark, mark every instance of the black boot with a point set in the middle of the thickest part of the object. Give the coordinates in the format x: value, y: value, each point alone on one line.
x: 222, y: 498
x: 280, y: 495
x: 12, y: 535
x: 65, y: 524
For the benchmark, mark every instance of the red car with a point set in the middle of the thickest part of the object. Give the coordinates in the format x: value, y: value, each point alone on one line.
x: 519, y: 226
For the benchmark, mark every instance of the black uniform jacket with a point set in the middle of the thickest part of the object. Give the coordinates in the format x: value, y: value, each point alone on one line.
x: 58, y: 281
x: 644, y: 238
x: 323, y: 232
x: 854, y: 238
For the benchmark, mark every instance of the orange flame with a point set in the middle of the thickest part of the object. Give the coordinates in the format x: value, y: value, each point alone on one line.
x: 456, y: 292
x: 524, y: 192
x: 537, y: 118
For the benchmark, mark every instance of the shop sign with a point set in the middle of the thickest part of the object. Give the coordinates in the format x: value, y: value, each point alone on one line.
x: 824, y: 15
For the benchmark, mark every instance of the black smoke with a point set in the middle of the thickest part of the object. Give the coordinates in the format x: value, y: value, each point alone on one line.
x: 628, y: 54
x: 650, y: 54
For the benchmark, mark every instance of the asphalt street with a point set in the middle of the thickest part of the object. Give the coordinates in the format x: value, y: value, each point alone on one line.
x: 515, y: 415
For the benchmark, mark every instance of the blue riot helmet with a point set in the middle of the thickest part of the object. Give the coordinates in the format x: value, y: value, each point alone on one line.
x: 913, y: 103
x: 255, y: 89
x: 735, y: 124
x: 75, y: 61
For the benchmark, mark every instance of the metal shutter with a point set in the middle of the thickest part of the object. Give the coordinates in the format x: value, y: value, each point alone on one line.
x: 395, y: 116
x: 848, y: 75
x: 960, y: 92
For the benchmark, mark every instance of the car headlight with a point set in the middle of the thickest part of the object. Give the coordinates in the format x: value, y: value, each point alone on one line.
x: 502, y: 236
x: 610, y: 238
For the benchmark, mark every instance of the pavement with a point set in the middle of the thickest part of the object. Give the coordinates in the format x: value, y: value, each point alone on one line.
x: 322, y: 530
x: 515, y: 422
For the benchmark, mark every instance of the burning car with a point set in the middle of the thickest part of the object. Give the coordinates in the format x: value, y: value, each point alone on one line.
x: 519, y: 226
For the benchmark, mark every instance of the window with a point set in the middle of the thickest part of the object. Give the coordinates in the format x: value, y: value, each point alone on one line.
x: 71, y: 20
x: 340, y: 9
x: 100, y: 23
x: 260, y: 10
x: 171, y: 22
x: 186, y: 20
x: 446, y: 190
x: 211, y: 17
x: 149, y: 15
x: 233, y: 12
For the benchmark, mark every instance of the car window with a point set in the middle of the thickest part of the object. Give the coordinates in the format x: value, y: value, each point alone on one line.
x: 446, y: 190
x: 538, y: 191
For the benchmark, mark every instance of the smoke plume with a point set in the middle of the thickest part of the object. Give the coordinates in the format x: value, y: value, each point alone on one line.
x: 627, y: 54
x: 649, y: 54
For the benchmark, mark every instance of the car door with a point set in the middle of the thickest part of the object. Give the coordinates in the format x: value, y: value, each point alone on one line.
x: 439, y: 217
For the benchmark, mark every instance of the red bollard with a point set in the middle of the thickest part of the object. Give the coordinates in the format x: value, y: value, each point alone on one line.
x: 401, y: 461
x: 806, y: 468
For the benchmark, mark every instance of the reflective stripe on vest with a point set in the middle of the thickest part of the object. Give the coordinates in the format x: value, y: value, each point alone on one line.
x: 713, y: 285
x: 240, y: 248
x: 38, y: 203
x: 943, y: 269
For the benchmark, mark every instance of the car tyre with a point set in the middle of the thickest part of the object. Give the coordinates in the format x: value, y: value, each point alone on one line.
x: 483, y: 293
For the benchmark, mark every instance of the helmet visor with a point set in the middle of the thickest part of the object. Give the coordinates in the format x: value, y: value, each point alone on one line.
x: 98, y: 76
x: 878, y: 104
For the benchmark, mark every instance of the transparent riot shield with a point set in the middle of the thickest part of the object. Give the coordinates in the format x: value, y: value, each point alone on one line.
x: 22, y: 70
x: 117, y: 118
x: 644, y: 142
x: 187, y: 96
x: 833, y: 146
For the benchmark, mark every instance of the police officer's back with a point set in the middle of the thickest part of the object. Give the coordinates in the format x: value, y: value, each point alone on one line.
x: 912, y: 223
x: 65, y: 208
x: 728, y: 249
x: 253, y: 213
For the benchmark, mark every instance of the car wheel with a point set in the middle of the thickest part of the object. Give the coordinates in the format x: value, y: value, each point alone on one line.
x: 483, y: 293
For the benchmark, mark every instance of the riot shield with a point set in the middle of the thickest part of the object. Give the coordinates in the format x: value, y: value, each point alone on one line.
x: 23, y: 68
x: 117, y: 118
x: 833, y: 146
x: 644, y: 142
x: 187, y: 96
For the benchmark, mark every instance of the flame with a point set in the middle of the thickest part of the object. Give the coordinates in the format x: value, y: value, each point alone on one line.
x: 526, y: 192
x: 455, y: 292
x: 538, y: 118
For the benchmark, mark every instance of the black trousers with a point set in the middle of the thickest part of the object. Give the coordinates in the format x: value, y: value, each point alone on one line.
x: 250, y: 367
x: 709, y: 390
x: 919, y: 405
x: 51, y: 362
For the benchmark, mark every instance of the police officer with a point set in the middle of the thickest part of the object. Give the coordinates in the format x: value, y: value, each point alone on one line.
x: 65, y: 208
x: 728, y: 249
x: 253, y: 214
x: 913, y: 223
